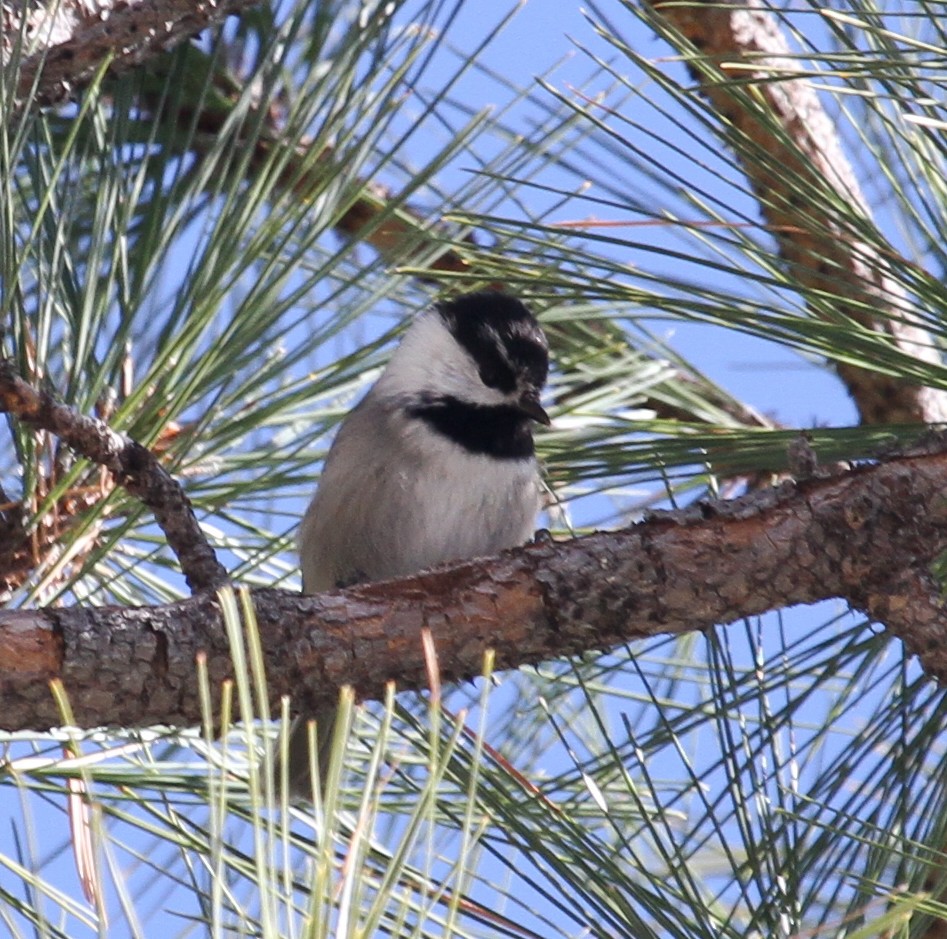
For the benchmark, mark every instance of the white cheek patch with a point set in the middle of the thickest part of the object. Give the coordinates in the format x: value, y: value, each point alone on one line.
x: 430, y: 360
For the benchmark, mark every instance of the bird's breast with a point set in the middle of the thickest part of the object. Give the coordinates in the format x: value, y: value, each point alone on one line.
x: 413, y: 501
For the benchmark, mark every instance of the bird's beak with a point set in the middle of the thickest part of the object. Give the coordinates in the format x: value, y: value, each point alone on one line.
x: 530, y: 406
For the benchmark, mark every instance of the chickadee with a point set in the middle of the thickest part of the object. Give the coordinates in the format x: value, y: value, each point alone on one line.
x: 435, y: 464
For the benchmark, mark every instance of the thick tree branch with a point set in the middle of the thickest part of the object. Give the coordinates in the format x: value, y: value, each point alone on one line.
x: 869, y: 536
x: 132, y: 465
x: 742, y: 41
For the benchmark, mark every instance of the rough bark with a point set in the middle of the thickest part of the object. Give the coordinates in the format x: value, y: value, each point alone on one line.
x: 61, y: 44
x: 743, y: 41
x: 132, y: 465
x: 868, y: 536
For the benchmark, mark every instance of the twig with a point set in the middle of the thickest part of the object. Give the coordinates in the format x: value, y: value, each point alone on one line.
x: 132, y: 465
x: 61, y: 44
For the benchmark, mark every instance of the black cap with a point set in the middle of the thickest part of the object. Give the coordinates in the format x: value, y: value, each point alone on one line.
x: 503, y: 338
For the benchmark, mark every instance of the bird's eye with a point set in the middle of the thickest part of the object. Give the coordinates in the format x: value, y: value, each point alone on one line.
x: 491, y: 375
x: 527, y: 352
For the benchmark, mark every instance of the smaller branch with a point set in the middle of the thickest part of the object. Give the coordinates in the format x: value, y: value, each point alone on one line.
x: 399, y: 233
x: 743, y: 40
x: 67, y: 40
x: 133, y: 466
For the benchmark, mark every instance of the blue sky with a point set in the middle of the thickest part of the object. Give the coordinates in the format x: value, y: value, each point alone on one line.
x: 768, y: 377
x: 555, y: 42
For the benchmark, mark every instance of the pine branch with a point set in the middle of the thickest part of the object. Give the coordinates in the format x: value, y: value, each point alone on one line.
x: 398, y: 234
x: 869, y: 536
x: 742, y: 47
x: 132, y: 465
x: 61, y: 44
x: 67, y: 42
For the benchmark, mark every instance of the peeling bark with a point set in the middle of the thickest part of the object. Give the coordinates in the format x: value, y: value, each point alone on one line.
x: 742, y: 42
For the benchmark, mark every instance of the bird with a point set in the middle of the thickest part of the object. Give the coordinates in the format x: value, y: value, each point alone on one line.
x: 436, y: 463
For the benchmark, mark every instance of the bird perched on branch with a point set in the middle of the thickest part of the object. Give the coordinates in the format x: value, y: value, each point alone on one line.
x: 435, y: 464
